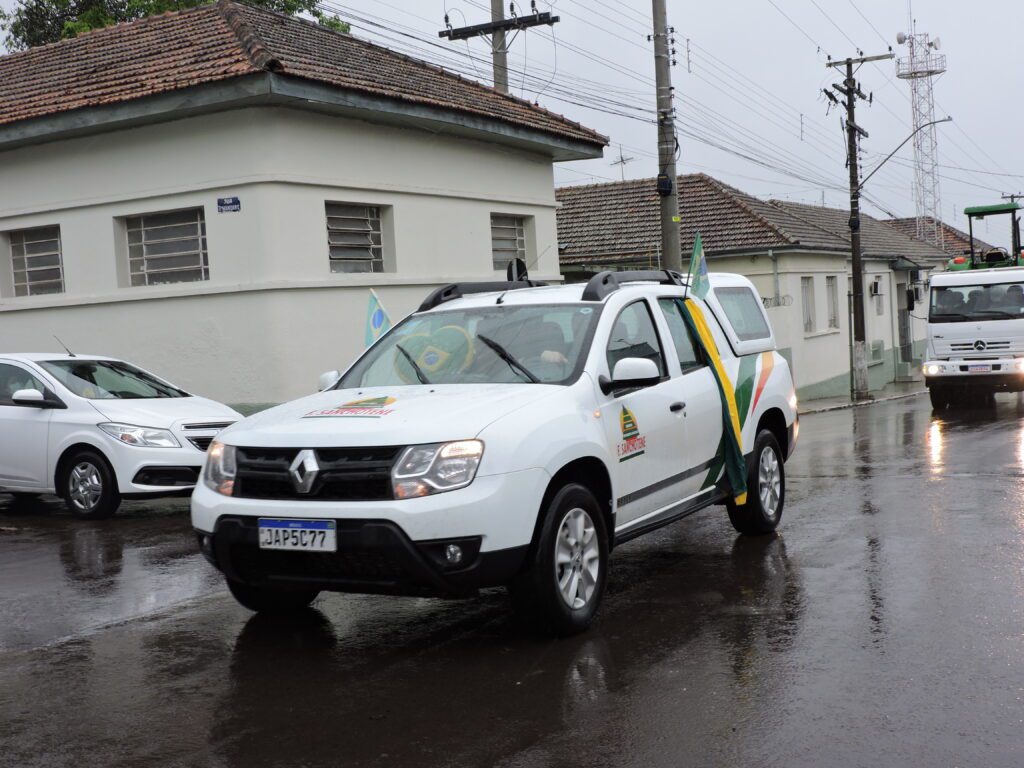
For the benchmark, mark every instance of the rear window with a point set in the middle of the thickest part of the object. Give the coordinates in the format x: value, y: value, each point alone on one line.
x: 744, y: 311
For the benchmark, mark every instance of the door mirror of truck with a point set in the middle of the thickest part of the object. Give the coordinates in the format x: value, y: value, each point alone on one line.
x: 30, y: 397
x: 631, y: 373
x: 328, y: 380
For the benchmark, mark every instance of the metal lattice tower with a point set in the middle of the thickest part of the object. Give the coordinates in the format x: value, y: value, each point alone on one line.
x: 919, y: 68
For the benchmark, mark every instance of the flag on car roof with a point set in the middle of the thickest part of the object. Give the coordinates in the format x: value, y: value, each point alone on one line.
x: 377, y: 320
x: 698, y: 272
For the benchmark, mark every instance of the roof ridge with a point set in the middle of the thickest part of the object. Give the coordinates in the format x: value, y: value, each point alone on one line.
x: 778, y: 204
x: 733, y: 194
x: 254, y: 47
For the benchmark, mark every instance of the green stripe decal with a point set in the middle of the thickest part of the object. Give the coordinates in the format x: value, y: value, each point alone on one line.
x: 745, y: 385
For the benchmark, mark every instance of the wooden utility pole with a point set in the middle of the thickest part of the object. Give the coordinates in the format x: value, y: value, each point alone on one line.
x: 667, y: 184
x: 851, y: 91
x: 497, y: 28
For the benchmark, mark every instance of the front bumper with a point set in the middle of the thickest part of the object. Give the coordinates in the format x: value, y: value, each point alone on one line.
x: 1001, y: 373
x: 143, y: 472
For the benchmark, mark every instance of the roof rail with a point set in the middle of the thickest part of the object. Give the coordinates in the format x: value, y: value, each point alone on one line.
x: 603, y: 284
x: 458, y: 290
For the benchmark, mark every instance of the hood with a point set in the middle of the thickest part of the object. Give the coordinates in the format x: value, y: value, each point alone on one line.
x: 164, y: 412
x: 994, y: 337
x: 385, y: 415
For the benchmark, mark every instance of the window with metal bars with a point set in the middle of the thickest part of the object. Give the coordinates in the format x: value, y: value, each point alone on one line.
x: 508, y: 239
x: 807, y: 299
x: 354, y: 239
x: 36, y: 261
x: 167, y: 247
x: 832, y: 296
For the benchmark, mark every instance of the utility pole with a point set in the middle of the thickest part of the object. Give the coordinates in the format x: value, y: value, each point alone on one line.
x: 497, y: 28
x: 671, y: 253
x: 851, y: 91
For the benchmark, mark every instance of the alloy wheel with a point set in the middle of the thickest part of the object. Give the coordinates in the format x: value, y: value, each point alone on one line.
x: 769, y: 481
x: 577, y: 558
x: 85, y: 486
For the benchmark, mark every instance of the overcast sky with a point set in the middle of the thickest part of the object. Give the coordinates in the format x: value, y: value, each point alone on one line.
x: 755, y: 66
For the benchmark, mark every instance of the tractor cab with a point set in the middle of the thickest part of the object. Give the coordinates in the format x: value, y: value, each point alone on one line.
x: 992, y: 258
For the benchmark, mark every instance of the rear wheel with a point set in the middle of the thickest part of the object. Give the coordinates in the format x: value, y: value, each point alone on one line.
x: 88, y: 486
x: 562, y: 586
x: 270, y: 600
x: 766, y: 489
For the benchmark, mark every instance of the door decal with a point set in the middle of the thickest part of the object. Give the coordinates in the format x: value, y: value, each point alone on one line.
x: 633, y: 443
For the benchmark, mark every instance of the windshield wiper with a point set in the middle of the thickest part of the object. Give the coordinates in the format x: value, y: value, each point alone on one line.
x: 416, y: 369
x: 997, y: 312
x: 949, y: 314
x: 504, y: 354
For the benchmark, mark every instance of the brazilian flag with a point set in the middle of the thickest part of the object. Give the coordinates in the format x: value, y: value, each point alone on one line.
x: 732, y: 437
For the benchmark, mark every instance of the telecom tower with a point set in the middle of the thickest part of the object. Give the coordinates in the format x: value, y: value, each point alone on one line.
x: 919, y: 68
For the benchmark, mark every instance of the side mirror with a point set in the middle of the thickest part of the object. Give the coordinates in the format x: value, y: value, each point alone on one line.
x: 30, y: 397
x: 630, y: 373
x: 328, y: 380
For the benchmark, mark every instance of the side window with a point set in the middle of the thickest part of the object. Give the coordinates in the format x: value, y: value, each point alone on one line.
x: 690, y: 357
x: 13, y: 378
x: 746, y: 313
x: 634, y: 335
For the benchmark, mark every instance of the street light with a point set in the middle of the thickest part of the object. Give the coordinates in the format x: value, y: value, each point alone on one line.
x: 887, y: 157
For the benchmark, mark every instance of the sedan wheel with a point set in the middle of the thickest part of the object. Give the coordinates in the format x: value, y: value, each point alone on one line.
x: 85, y: 486
x: 89, y: 486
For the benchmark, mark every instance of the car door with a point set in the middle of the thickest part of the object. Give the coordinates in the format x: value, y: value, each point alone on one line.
x: 645, y: 433
x: 697, y: 389
x: 24, y: 431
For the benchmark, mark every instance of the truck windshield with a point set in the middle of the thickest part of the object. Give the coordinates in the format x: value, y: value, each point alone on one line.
x: 537, y: 344
x: 109, y: 380
x: 965, y: 303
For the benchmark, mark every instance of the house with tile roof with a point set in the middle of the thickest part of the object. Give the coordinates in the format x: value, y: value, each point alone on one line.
x: 213, y: 189
x: 797, y: 255
x: 955, y: 242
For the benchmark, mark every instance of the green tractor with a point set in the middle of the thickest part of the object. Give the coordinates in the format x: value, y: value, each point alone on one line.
x: 994, y: 257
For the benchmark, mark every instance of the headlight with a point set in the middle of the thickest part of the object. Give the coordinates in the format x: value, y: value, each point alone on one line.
x: 425, y: 469
x: 142, y: 437
x: 219, y: 470
x: 931, y: 369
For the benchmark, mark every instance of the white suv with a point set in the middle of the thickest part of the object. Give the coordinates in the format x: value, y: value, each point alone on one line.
x: 95, y: 430
x: 504, y: 434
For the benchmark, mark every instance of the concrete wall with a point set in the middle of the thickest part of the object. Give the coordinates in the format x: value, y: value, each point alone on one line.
x: 272, y: 315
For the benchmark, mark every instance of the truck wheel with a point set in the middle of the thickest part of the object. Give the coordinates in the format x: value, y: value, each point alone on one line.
x: 88, y: 486
x: 939, y: 397
x: 562, y: 586
x: 766, y: 489
x: 269, y: 600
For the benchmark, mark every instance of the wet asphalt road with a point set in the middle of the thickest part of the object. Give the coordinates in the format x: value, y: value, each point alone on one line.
x: 884, y: 626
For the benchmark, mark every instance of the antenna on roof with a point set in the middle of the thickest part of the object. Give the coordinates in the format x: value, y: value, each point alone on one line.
x: 70, y: 353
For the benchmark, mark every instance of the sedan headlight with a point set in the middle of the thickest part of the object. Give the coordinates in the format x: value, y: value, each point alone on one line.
x: 425, y: 469
x: 142, y: 437
x: 219, y: 470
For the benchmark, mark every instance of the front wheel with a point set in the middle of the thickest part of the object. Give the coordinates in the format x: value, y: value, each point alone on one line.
x: 939, y: 397
x: 269, y: 600
x: 89, y: 487
x: 562, y: 586
x: 766, y: 489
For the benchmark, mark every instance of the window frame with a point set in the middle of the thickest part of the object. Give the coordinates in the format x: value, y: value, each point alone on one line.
x: 522, y: 250
x: 378, y: 259
x: 663, y: 368
x: 11, y: 237
x: 145, y: 274
x: 807, y: 303
x: 701, y: 361
x: 832, y: 300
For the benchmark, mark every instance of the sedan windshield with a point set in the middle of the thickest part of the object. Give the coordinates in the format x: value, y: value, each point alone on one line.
x: 109, y: 380
x: 963, y: 303
x: 537, y: 344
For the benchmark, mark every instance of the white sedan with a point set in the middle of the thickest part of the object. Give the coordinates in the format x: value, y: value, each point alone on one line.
x: 95, y: 430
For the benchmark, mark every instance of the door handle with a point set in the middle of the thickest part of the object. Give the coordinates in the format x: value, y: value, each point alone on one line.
x: 676, y: 407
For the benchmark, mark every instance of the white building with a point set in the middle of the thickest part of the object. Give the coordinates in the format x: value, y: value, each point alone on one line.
x: 212, y: 193
x: 797, y: 255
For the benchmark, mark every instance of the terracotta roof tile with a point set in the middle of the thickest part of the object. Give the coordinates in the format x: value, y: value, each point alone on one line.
x: 227, y: 40
x: 955, y: 241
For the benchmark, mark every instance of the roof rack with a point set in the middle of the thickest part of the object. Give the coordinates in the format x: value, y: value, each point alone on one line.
x: 603, y: 284
x: 458, y: 290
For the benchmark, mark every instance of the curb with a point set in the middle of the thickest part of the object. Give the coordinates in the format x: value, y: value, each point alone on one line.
x: 841, y: 406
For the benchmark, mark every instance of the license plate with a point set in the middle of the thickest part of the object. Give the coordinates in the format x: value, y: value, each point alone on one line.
x: 303, y: 535
x: 979, y: 368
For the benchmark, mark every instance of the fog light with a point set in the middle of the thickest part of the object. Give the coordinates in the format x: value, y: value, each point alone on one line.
x: 453, y: 554
x: 931, y: 369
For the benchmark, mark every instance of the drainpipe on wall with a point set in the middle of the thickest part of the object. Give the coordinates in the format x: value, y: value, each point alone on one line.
x: 775, y: 275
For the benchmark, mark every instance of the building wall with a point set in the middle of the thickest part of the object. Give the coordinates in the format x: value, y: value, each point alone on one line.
x: 272, y: 315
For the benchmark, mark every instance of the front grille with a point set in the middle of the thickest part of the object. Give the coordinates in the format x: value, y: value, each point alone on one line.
x: 346, y: 474
x: 202, y: 443
x: 208, y: 426
x: 990, y: 346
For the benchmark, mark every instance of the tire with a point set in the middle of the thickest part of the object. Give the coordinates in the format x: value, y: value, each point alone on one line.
x: 561, y: 588
x: 88, y: 486
x: 269, y: 600
x: 939, y: 397
x: 766, y: 489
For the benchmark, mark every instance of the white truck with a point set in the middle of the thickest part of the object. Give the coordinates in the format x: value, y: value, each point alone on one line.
x: 975, y: 335
x: 505, y: 434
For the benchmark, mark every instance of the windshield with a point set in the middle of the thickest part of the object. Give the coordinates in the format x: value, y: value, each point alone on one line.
x: 109, y: 380
x: 964, y: 303
x: 537, y: 344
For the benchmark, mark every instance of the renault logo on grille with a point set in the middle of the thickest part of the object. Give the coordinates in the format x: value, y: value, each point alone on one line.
x: 304, y: 470
x: 980, y: 345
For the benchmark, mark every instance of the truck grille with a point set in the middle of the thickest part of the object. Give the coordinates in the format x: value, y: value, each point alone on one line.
x: 346, y: 474
x: 969, y: 348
